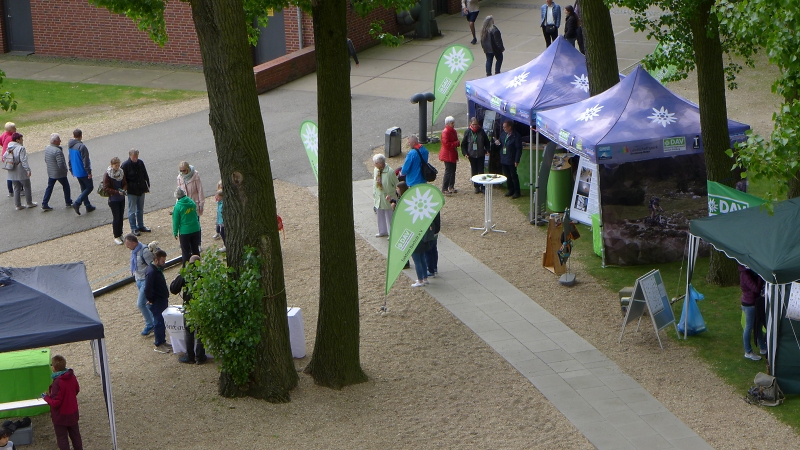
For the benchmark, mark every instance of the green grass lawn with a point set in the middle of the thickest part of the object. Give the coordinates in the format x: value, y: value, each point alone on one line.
x: 46, y: 101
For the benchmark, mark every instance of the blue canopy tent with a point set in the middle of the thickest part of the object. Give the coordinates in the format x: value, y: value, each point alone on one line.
x: 636, y: 120
x: 556, y: 77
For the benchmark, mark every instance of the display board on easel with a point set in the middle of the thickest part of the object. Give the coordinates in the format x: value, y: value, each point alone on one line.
x: 650, y: 295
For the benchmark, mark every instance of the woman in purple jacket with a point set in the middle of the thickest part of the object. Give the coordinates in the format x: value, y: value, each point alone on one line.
x: 752, y: 291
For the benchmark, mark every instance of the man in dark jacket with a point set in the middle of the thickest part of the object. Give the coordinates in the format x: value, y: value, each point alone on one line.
x: 510, y: 145
x: 62, y: 396
x: 81, y: 168
x: 157, y: 294
x: 56, y: 171
x: 138, y: 185
x: 475, y: 146
x: 178, y: 285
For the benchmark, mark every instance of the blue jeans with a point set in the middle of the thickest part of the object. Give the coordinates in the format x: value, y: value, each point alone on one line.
x: 136, y: 211
x: 749, y: 327
x: 87, y: 186
x: 49, y: 191
x: 141, y: 303
x: 432, y: 257
x: 419, y: 264
x: 159, y: 328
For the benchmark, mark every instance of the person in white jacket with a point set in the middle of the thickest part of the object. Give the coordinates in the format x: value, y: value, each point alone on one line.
x: 189, y: 181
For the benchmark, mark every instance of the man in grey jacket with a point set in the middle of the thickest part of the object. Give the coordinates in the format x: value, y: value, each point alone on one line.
x: 141, y: 257
x: 56, y: 171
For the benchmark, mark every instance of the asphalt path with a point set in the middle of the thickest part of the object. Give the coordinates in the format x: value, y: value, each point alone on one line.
x: 189, y: 138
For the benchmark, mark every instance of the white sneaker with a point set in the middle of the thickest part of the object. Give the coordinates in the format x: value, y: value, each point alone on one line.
x: 752, y: 356
x: 118, y: 241
x: 763, y: 352
x: 418, y: 284
x: 216, y: 237
x: 222, y: 249
x: 381, y: 235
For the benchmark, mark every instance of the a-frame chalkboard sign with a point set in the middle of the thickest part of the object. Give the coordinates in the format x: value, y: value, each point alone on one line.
x: 649, y: 294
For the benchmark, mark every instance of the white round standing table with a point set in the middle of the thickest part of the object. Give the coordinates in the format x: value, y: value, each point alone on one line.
x: 488, y: 180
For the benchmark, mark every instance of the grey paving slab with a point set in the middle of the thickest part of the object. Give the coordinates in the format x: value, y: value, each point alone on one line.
x: 23, y: 69
x: 69, y: 72
x: 127, y: 77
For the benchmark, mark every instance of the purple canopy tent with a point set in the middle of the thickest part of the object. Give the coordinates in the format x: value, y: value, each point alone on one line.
x: 556, y: 77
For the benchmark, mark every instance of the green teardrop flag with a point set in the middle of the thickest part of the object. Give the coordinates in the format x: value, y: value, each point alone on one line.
x: 452, y: 67
x: 723, y: 199
x: 413, y: 215
x: 309, y: 133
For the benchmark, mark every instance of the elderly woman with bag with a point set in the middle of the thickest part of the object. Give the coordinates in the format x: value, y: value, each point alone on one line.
x: 189, y: 182
x: 15, y: 162
x: 115, y: 186
x: 449, y: 155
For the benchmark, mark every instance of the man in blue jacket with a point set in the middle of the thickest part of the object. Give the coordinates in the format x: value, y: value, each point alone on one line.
x: 157, y: 294
x: 510, y: 145
x: 412, y: 166
x: 81, y: 168
x: 551, y: 20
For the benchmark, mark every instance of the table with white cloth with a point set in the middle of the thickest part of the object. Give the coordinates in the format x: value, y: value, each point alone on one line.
x: 488, y: 180
x: 173, y: 319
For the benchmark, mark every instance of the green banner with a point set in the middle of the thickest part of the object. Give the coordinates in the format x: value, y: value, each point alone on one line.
x: 309, y: 133
x: 452, y: 67
x: 723, y: 199
x: 413, y: 215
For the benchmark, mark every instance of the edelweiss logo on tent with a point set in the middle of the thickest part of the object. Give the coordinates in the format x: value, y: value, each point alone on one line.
x: 581, y: 82
x: 518, y: 80
x: 310, y: 136
x: 724, y: 205
x: 590, y: 113
x: 420, y: 205
x: 662, y: 117
x: 456, y: 60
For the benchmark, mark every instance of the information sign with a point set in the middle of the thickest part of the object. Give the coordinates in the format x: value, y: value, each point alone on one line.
x: 650, y: 295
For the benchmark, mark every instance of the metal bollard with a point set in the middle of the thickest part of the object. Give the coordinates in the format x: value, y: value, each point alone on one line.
x: 422, y: 99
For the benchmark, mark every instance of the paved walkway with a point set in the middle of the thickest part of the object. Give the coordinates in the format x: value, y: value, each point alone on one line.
x: 610, y: 408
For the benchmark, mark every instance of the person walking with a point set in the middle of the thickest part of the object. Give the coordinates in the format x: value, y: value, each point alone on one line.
x: 189, y: 182
x: 470, y: 9
x: 551, y: 21
x: 510, y: 145
x: 56, y: 171
x: 81, y: 168
x: 570, y: 25
x: 449, y: 155
x: 186, y: 225
x: 115, y: 185
x: 5, y: 139
x: 412, y: 166
x: 138, y: 185
x: 383, y: 190
x: 19, y: 174
x: 141, y: 258
x: 62, y: 396
x: 492, y: 45
x: 157, y: 294
x: 475, y: 146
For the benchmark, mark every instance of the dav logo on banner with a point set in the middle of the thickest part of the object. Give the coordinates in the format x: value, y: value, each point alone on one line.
x: 496, y: 101
x: 563, y: 136
x: 674, y: 144
x: 724, y: 205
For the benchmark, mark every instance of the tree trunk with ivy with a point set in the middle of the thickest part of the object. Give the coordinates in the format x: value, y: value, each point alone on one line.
x: 250, y: 212
x: 601, y: 50
x: 335, y: 362
x: 722, y: 270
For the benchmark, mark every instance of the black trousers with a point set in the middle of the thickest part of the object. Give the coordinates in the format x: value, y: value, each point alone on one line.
x: 190, y: 245
x: 449, y: 179
x: 476, y: 164
x: 549, y: 37
x: 513, y: 178
x: 118, y: 214
x: 189, y: 338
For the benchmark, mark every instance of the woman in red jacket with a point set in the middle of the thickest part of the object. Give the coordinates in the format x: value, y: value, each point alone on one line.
x: 62, y: 396
x: 449, y: 155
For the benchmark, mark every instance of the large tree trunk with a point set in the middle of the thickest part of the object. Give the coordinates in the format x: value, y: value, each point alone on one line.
x: 335, y: 362
x: 601, y: 50
x: 713, y: 121
x: 249, y: 214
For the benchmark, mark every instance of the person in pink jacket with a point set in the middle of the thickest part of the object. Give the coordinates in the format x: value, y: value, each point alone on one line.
x: 5, y: 139
x: 449, y: 155
x: 189, y: 181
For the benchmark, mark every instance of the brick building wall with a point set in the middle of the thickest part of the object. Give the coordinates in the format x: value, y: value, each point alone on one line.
x: 358, y: 27
x: 73, y: 28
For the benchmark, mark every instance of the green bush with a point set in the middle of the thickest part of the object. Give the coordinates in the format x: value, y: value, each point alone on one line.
x: 226, y: 310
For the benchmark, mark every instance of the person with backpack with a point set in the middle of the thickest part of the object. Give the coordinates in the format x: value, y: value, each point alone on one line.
x: 412, y: 166
x: 141, y: 257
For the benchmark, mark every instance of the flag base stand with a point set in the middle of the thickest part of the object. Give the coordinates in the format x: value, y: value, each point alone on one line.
x: 568, y: 279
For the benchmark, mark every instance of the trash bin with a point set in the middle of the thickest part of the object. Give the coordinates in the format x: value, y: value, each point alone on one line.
x: 559, y: 186
x: 393, y: 142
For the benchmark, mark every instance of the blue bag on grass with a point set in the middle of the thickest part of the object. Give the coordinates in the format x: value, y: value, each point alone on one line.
x: 696, y: 323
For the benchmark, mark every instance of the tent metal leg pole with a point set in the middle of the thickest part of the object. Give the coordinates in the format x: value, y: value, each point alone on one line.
x: 531, y: 192
x: 535, y: 207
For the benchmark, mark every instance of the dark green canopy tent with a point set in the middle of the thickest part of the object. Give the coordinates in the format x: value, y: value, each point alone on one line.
x: 770, y: 246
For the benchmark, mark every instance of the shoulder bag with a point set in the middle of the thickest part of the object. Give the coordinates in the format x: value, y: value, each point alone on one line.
x: 428, y: 171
